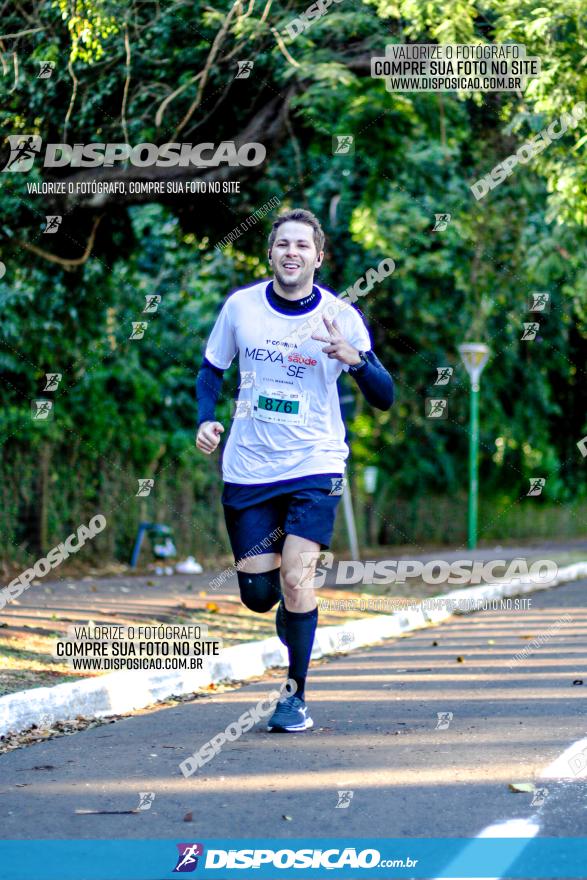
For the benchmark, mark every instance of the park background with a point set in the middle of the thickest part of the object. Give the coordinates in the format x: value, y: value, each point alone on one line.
x: 125, y: 409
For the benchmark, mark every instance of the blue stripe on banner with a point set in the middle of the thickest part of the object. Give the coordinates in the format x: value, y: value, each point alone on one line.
x: 408, y: 858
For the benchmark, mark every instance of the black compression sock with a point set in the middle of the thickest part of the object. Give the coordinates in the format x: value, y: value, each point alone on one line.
x: 300, y: 630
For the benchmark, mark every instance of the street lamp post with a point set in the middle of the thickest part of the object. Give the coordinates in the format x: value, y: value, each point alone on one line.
x: 370, y: 484
x: 474, y: 356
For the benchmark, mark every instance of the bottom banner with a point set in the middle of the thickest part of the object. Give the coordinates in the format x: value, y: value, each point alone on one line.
x: 564, y: 857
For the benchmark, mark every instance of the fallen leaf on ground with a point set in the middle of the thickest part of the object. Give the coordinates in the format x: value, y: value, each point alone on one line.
x: 460, y: 659
x: 521, y: 786
x: 188, y: 817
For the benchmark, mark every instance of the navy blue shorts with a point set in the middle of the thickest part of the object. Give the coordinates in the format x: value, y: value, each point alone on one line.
x: 258, y: 518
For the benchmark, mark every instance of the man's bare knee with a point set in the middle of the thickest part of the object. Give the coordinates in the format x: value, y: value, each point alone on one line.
x: 296, y: 579
x: 259, y: 564
x: 297, y: 600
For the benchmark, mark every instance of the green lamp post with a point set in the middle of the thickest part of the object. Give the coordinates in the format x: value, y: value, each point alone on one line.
x: 474, y: 356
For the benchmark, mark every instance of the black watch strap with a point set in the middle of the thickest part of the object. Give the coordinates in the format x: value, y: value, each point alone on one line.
x: 356, y: 367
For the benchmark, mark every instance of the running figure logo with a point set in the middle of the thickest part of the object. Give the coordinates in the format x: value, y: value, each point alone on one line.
x: 539, y: 302
x: 152, y: 302
x: 53, y: 222
x: 539, y: 797
x: 244, y: 69
x: 146, y: 799
x: 343, y: 144
x: 53, y: 380
x: 441, y: 222
x: 41, y: 410
x: 242, y: 409
x: 46, y: 70
x: 436, y: 409
x: 322, y: 559
x: 444, y: 719
x: 338, y: 484
x: 344, y: 800
x: 24, y: 148
x: 188, y: 857
x: 138, y: 329
x: 536, y: 486
x: 444, y: 375
x: 530, y: 331
x: 345, y: 638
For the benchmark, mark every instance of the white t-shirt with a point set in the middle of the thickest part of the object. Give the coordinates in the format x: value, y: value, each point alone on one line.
x: 287, y: 421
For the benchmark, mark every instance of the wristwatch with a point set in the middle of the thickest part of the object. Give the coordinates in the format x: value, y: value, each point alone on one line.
x: 363, y: 362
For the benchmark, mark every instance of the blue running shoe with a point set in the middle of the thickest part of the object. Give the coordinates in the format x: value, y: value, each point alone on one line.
x: 280, y: 624
x: 290, y: 716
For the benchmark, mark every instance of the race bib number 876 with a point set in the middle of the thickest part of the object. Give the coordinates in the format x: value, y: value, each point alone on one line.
x: 286, y: 408
x: 275, y: 405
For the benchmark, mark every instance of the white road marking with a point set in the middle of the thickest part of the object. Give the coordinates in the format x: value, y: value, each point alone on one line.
x: 570, y: 765
x: 511, y: 828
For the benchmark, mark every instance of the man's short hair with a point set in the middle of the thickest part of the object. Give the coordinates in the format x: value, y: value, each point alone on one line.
x: 300, y: 216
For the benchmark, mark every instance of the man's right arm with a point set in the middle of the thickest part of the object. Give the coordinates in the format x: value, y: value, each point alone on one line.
x: 221, y: 347
x: 208, y: 387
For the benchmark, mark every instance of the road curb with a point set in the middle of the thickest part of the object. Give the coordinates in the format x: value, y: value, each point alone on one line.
x: 121, y: 692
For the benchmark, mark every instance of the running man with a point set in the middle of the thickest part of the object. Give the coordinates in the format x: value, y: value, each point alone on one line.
x: 285, y: 455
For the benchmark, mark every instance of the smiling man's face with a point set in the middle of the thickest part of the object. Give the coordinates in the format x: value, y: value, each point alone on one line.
x: 294, y: 258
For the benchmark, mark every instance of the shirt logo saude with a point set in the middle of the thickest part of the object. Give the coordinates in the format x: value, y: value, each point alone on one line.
x: 296, y: 362
x: 297, y: 358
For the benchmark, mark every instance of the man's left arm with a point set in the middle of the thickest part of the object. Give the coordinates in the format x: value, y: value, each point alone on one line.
x: 373, y: 379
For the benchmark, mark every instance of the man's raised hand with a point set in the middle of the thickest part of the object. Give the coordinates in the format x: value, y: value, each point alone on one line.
x: 337, y: 346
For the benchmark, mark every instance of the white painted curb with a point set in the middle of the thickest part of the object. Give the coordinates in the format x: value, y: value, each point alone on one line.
x: 120, y: 692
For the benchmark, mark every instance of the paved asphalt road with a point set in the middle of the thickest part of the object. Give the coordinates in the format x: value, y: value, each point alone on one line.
x: 375, y: 734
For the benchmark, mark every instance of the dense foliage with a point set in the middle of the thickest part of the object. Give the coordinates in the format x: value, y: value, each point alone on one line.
x: 156, y: 72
